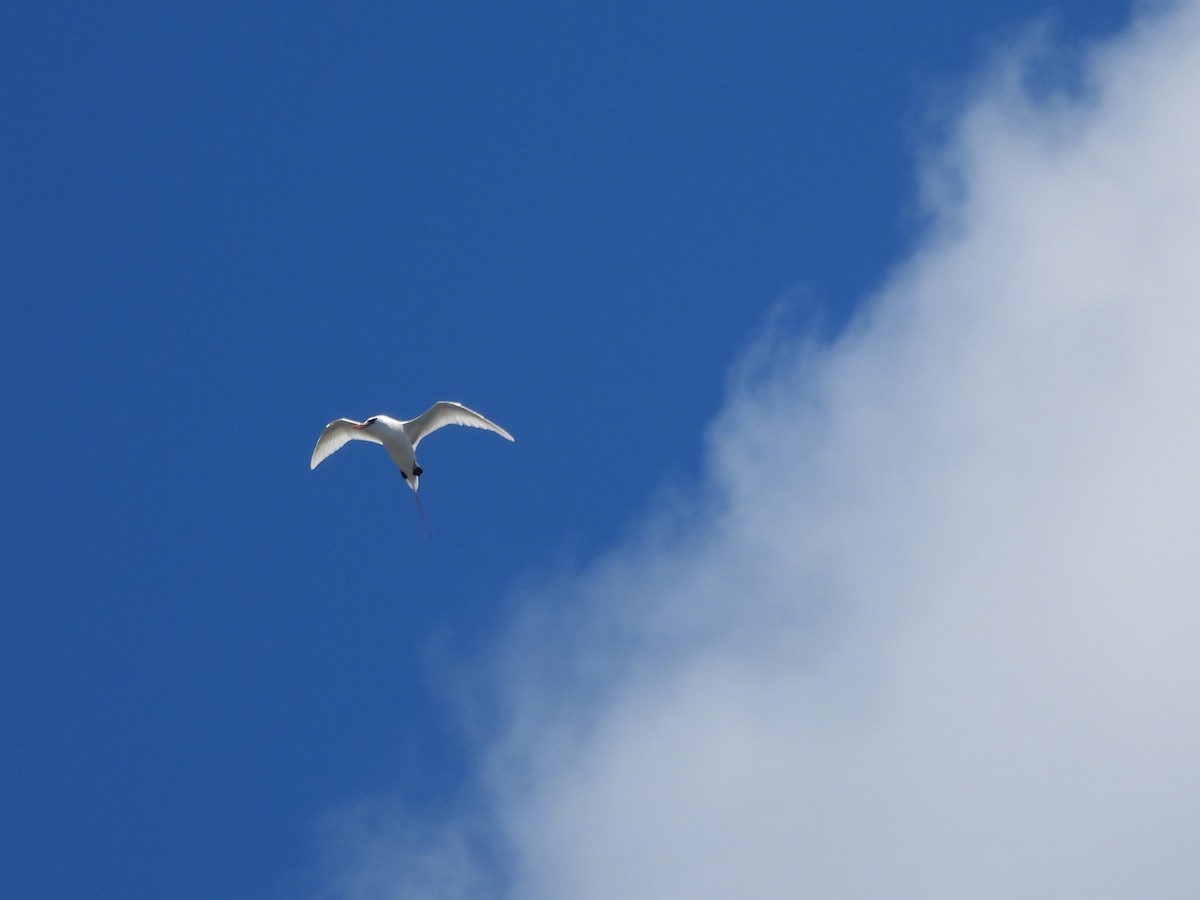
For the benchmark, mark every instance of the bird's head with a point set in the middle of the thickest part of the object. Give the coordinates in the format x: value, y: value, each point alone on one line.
x: 367, y: 424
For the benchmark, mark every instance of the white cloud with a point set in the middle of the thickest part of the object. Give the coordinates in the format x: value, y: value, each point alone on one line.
x: 936, y: 635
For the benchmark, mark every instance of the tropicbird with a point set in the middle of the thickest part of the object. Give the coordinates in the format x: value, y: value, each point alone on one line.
x: 399, y: 438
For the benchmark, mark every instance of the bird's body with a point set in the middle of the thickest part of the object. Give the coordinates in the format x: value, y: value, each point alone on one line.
x: 399, y: 438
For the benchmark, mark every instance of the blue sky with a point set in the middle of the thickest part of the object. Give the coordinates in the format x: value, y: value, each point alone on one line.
x: 228, y: 224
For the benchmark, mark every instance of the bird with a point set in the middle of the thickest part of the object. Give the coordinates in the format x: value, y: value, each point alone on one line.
x: 399, y: 438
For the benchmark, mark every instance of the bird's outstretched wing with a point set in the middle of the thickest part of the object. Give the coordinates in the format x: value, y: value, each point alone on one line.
x: 446, y: 412
x: 338, y: 434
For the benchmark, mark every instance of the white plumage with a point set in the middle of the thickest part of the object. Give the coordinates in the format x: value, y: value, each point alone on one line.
x: 400, y: 439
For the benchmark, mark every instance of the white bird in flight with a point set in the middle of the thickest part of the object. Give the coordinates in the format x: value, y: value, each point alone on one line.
x: 400, y: 439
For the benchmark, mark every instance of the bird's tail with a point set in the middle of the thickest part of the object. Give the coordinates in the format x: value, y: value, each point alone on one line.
x: 425, y: 529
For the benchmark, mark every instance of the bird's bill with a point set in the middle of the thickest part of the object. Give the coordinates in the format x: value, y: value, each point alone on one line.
x: 360, y: 425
